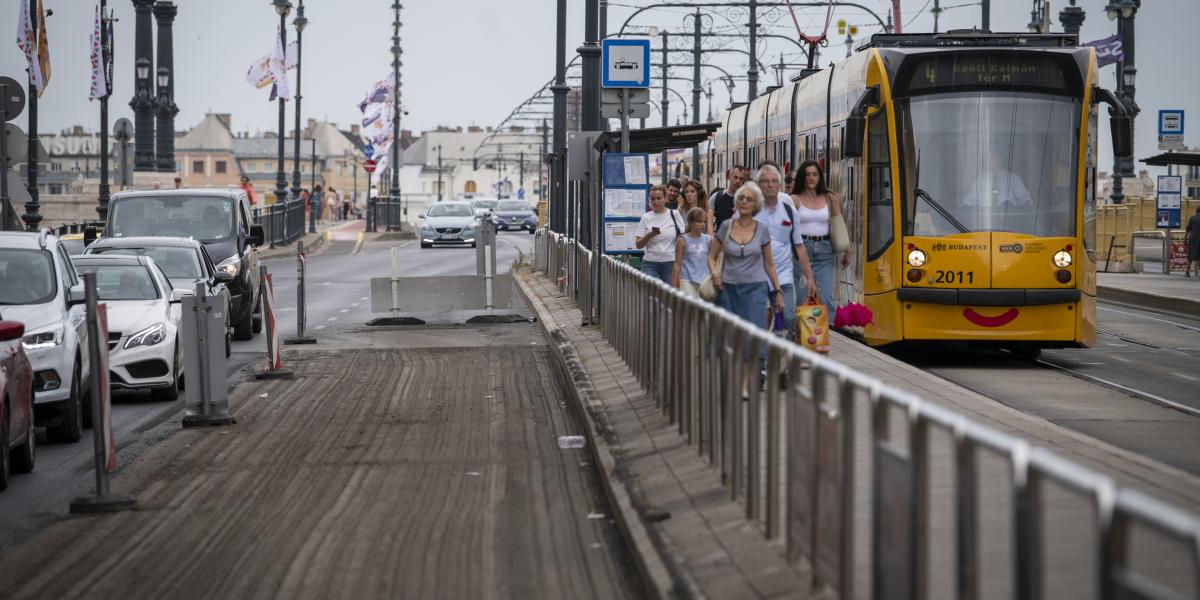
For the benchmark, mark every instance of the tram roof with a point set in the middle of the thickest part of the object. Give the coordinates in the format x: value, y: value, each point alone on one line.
x: 971, y: 38
x: 1189, y: 158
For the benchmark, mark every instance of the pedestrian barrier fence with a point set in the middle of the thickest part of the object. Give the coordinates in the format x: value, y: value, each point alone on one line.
x: 882, y: 493
x: 283, y: 222
x: 204, y: 330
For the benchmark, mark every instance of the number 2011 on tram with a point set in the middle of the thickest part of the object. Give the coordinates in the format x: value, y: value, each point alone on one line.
x: 968, y: 166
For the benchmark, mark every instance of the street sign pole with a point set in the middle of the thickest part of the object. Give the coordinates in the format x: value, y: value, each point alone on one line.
x: 625, y: 121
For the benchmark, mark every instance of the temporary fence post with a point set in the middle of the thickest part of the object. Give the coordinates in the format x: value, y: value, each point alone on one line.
x: 301, y: 299
x: 102, y: 440
x: 205, y: 402
x: 274, y: 368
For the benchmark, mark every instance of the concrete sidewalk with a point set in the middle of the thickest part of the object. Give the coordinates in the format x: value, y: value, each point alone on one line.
x: 385, y: 472
x: 1154, y: 291
x: 312, y: 241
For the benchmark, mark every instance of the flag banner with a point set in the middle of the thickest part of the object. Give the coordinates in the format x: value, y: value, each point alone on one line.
x: 43, y: 52
x: 380, y: 112
x: 1109, y: 50
x: 381, y: 164
x: 260, y: 74
x: 380, y: 92
x: 99, y: 87
x: 27, y: 42
x: 108, y: 57
x: 279, y: 69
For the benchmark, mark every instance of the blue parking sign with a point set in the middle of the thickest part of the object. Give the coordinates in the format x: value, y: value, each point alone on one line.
x: 369, y: 150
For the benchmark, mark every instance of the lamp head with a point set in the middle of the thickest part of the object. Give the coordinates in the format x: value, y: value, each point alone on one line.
x: 1129, y: 75
x: 143, y: 68
x: 300, y: 22
x: 282, y: 7
x: 1111, y: 10
x: 164, y: 77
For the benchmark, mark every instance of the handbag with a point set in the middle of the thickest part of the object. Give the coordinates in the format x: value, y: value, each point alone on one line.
x: 839, y: 236
x: 708, y: 290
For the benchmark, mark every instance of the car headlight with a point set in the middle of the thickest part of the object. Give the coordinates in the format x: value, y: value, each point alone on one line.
x: 1062, y: 259
x: 149, y: 336
x: 916, y: 257
x: 426, y: 227
x: 46, y: 338
x: 231, y: 265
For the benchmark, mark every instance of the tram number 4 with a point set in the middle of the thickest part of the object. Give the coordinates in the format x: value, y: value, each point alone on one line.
x: 953, y: 277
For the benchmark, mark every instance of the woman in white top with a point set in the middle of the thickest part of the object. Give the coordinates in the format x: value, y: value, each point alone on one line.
x: 815, y: 204
x: 656, y: 235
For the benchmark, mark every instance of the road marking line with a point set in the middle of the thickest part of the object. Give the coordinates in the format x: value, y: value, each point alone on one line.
x: 319, y: 327
x: 357, y: 244
x: 1150, y: 318
x: 353, y: 304
x: 344, y: 310
x: 331, y: 319
x: 1122, y: 359
x: 1187, y: 377
x: 364, y: 298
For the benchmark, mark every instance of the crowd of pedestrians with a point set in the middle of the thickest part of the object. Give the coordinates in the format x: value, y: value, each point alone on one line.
x: 761, y: 245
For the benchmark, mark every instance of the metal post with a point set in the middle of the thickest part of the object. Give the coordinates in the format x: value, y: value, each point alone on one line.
x: 397, y: 146
x: 439, y: 149
x: 624, y: 119
x: 102, y: 201
x: 666, y: 102
x: 301, y: 299
x: 164, y: 14
x: 143, y: 99
x: 590, y: 52
x: 281, y: 189
x: 102, y: 501
x: 32, y: 217
x: 697, y: 89
x: 986, y: 18
x: 752, y: 73
x: 300, y: 22
x: 559, y: 89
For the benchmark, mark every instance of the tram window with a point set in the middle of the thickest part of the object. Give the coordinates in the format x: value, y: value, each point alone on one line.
x: 879, y: 191
x: 1089, y: 190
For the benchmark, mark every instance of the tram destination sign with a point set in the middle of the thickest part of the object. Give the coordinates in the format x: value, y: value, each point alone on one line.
x: 958, y: 69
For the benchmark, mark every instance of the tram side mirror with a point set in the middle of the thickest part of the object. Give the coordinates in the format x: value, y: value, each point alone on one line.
x: 1122, y: 135
x: 856, y: 126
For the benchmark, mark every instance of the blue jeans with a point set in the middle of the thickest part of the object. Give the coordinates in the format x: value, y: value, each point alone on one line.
x: 821, y: 257
x: 659, y: 270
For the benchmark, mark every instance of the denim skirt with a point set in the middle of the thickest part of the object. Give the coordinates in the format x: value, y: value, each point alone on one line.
x: 746, y: 300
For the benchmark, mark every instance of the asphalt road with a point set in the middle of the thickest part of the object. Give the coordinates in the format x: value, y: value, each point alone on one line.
x: 1138, y: 388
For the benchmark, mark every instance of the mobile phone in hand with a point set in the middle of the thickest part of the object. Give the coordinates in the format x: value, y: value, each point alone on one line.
x: 655, y: 230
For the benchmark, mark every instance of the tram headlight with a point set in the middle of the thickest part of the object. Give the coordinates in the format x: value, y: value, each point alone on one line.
x: 1062, y: 259
x: 916, y: 257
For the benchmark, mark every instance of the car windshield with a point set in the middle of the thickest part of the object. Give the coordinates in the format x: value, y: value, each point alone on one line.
x: 513, y: 206
x: 205, y: 218
x: 995, y: 161
x: 26, y: 276
x: 450, y: 210
x: 72, y: 247
x: 485, y: 204
x: 121, y: 282
x: 177, y: 262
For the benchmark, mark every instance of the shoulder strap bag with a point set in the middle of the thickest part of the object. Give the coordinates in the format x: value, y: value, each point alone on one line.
x: 839, y: 236
x: 708, y: 290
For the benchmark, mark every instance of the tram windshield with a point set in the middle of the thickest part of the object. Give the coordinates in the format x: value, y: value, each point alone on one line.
x: 989, y: 161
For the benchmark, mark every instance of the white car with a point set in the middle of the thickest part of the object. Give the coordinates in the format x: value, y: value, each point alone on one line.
x: 144, y: 352
x: 39, y: 287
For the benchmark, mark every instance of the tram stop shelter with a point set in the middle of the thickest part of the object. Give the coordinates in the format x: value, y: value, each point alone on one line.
x: 1188, y: 158
x: 658, y: 139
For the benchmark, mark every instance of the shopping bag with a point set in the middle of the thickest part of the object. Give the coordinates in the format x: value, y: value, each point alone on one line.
x: 813, y: 323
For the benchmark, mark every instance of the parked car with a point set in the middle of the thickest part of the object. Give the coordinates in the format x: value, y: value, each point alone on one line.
x: 219, y: 218
x: 184, y: 261
x: 18, y: 439
x: 143, y: 323
x: 515, y: 214
x: 448, y: 223
x: 483, y: 206
x: 39, y: 287
x: 73, y: 242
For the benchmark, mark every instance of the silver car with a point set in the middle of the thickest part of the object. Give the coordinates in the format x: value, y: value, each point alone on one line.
x: 448, y: 223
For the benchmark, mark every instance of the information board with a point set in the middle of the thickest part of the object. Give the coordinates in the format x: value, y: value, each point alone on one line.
x: 1170, y: 201
x: 625, y: 199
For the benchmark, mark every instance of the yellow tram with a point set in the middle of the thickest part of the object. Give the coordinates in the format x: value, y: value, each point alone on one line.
x: 968, y: 166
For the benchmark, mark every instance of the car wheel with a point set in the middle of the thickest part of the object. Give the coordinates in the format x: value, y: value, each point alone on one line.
x: 256, y: 318
x: 4, y: 467
x: 424, y: 245
x: 244, y: 329
x: 23, y: 456
x: 472, y: 244
x: 530, y: 231
x: 169, y: 393
x: 71, y: 427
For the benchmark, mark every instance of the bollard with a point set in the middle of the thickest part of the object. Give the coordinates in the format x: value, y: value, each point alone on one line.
x: 274, y: 367
x: 301, y: 299
x: 485, y: 258
x: 102, y: 436
x: 205, y: 402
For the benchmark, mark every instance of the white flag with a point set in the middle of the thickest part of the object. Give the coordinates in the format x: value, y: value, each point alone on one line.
x: 381, y: 164
x: 99, y: 77
x: 27, y: 42
x: 260, y: 74
x: 279, y: 70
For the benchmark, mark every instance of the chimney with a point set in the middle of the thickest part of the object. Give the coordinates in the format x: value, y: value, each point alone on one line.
x: 310, y: 128
x: 355, y: 131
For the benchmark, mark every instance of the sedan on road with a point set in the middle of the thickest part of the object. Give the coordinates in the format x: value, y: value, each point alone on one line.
x: 515, y: 214
x: 448, y: 223
x: 483, y: 206
x: 184, y: 261
x: 143, y: 323
x: 18, y: 442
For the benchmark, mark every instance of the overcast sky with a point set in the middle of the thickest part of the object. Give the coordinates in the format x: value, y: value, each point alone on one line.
x: 472, y: 61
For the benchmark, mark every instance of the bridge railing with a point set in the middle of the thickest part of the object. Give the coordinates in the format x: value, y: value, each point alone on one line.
x: 875, y: 488
x: 283, y: 222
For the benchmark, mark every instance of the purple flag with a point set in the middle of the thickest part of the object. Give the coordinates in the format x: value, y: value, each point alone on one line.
x: 1108, y: 50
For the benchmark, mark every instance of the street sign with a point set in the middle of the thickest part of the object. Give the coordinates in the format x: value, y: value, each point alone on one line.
x: 636, y: 95
x: 636, y: 111
x: 369, y: 166
x: 1169, y: 205
x: 1170, y: 129
x: 521, y: 194
x: 369, y: 150
x: 16, y: 145
x: 625, y: 63
x: 123, y: 130
x: 12, y: 100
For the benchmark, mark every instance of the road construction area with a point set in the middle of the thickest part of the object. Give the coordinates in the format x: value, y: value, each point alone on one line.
x: 402, y: 470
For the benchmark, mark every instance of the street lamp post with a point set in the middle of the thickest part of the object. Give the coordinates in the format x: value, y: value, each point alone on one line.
x: 439, y: 151
x: 105, y: 51
x: 143, y: 98
x: 697, y: 89
x: 666, y: 102
x: 1071, y: 17
x: 282, y: 7
x: 397, y: 52
x: 299, y: 22
x: 164, y: 14
x: 1124, y: 12
x: 559, y: 89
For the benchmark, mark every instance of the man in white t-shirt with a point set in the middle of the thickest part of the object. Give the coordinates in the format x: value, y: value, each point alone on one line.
x: 656, y: 235
x: 778, y: 214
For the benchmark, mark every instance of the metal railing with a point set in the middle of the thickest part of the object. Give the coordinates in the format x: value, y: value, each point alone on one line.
x: 932, y: 504
x: 283, y: 223
x: 389, y: 213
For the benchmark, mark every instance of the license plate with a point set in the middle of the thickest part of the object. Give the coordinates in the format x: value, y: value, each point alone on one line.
x: 450, y: 236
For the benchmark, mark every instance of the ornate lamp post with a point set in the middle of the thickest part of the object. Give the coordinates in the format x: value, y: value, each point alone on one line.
x: 1071, y: 17
x: 397, y: 150
x: 300, y: 22
x: 282, y: 7
x: 1123, y: 12
x: 165, y: 109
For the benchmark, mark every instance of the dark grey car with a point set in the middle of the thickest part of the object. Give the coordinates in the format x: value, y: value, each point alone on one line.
x: 515, y: 214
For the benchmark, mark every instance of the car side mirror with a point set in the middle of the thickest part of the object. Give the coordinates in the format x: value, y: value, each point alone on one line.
x: 222, y: 277
x: 422, y: 217
x: 11, y: 330
x: 76, y: 295
x: 178, y: 294
x: 1122, y: 135
x: 256, y: 235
